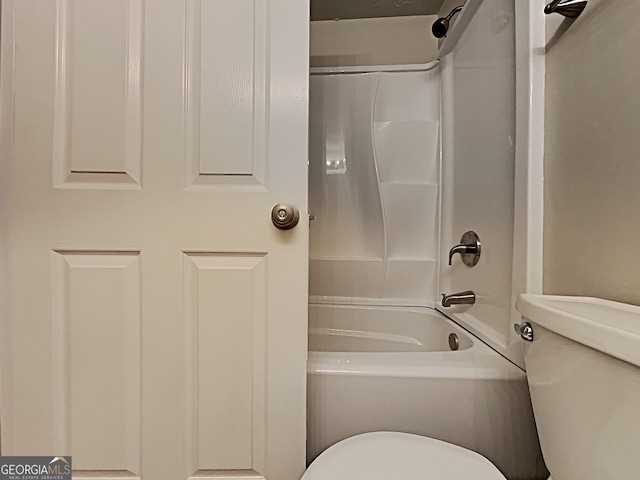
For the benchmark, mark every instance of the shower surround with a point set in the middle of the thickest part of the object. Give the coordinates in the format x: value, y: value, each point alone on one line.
x: 374, y: 185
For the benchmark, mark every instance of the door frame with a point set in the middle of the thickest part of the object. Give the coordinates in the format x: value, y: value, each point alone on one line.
x: 6, y: 153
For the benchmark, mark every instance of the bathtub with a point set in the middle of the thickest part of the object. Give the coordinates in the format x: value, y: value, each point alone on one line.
x: 393, y: 368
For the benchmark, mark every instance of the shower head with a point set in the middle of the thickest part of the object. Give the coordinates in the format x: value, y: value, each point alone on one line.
x: 441, y: 25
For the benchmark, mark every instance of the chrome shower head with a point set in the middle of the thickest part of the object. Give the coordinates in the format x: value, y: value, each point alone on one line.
x: 441, y: 25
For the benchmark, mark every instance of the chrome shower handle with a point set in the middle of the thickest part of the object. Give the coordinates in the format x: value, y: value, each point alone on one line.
x: 461, y: 249
x: 469, y: 249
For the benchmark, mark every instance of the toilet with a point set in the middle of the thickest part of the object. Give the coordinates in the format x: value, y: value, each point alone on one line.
x: 583, y: 368
x: 393, y: 455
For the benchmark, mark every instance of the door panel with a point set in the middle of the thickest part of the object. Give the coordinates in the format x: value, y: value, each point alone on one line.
x: 223, y: 80
x: 226, y: 94
x: 98, y: 137
x: 157, y: 319
x: 225, y: 298
x: 96, y: 359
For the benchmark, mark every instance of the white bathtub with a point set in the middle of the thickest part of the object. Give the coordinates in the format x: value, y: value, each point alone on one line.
x: 385, y: 368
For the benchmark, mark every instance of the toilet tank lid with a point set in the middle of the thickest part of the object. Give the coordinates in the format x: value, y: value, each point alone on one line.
x: 393, y: 455
x: 610, y: 327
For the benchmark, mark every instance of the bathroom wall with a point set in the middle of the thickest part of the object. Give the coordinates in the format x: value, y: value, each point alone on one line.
x: 332, y: 9
x: 592, y: 153
x: 373, y: 41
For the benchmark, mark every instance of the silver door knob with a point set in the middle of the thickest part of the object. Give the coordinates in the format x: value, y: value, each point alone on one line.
x: 284, y: 217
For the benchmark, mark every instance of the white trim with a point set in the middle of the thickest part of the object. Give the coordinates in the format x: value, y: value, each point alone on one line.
x: 414, y: 67
x: 529, y: 155
x: 529, y: 172
x: 369, y: 302
x: 7, y: 67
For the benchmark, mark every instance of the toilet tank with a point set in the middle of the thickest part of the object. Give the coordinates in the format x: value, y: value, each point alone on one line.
x: 583, y: 369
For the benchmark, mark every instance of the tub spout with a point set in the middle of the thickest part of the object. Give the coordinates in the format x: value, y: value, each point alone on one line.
x: 462, y: 298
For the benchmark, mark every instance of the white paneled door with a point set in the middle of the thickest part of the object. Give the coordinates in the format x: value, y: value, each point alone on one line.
x: 154, y: 319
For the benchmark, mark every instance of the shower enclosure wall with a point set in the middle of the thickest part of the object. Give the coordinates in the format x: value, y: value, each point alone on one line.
x: 374, y: 180
x: 478, y: 163
x: 403, y: 163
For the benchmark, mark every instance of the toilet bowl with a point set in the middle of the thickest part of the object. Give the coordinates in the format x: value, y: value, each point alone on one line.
x: 393, y: 455
x: 583, y: 370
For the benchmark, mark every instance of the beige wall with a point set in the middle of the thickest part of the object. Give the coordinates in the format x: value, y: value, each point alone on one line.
x: 592, y: 153
x: 373, y: 41
x: 332, y: 9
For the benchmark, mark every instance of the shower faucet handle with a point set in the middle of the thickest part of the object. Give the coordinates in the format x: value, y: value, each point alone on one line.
x: 469, y: 249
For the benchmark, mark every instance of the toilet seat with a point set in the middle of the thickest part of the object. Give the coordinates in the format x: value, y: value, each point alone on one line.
x: 401, y: 456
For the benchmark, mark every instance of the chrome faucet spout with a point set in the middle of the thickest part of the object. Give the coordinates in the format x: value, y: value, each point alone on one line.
x: 461, y: 298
